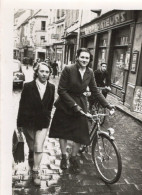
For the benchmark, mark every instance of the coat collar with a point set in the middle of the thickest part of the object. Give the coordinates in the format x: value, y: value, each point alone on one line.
x: 86, y: 74
x: 36, y: 92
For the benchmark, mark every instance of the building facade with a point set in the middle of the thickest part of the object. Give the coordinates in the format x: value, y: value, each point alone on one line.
x: 56, y: 26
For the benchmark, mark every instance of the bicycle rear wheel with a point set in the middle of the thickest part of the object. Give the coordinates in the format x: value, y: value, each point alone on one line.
x: 107, y: 159
x: 100, y: 110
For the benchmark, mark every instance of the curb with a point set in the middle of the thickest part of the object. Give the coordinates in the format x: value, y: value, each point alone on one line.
x: 129, y: 114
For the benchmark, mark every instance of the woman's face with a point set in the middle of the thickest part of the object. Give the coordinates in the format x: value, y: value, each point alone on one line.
x: 84, y: 58
x: 43, y: 73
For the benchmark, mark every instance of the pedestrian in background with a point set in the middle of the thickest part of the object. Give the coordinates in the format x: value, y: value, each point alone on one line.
x: 68, y: 122
x: 55, y: 68
x: 34, y: 115
x: 36, y: 63
x: 59, y: 67
x: 103, y: 79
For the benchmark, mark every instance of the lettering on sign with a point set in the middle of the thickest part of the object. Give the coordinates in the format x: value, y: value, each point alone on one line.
x: 107, y: 22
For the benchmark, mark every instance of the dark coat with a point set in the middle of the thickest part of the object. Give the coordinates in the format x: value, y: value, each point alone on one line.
x: 54, y: 67
x: 102, y: 79
x: 33, y: 112
x: 66, y: 124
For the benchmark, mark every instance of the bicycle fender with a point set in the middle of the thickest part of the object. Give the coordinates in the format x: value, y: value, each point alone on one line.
x: 106, y: 134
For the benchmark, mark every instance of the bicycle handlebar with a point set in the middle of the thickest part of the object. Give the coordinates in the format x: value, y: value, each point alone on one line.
x: 111, y: 112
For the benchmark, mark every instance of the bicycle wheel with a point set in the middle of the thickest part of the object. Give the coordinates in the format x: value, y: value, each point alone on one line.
x: 107, y: 159
x: 97, y: 108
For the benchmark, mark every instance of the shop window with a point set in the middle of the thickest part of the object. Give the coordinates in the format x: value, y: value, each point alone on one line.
x: 121, y: 56
x: 42, y: 39
x: 103, y: 43
x: 43, y: 24
x: 122, y: 37
x: 119, y: 64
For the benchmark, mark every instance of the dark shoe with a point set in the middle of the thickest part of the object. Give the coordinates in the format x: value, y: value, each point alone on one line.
x: 36, y: 177
x: 63, y: 164
x: 31, y: 159
x: 74, y: 165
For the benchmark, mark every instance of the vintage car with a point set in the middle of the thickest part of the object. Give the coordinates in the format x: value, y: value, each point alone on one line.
x: 18, y: 75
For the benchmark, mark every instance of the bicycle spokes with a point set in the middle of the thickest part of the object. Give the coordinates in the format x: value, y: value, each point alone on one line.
x: 106, y: 159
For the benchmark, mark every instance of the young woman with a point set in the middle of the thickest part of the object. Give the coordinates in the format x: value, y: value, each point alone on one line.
x: 68, y: 123
x: 34, y: 115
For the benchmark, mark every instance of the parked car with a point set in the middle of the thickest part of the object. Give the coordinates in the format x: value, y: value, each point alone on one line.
x: 18, y: 75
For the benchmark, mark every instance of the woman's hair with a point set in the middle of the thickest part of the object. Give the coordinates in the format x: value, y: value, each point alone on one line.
x: 84, y: 50
x: 37, y: 68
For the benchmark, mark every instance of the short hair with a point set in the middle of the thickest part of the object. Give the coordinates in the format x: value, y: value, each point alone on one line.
x: 103, y: 63
x: 37, y: 68
x: 85, y: 50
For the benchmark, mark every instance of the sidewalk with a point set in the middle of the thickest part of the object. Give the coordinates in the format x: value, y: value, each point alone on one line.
x: 119, y: 106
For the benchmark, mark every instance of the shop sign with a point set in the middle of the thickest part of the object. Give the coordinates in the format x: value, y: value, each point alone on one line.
x: 110, y: 21
x: 54, y: 36
x: 137, y: 101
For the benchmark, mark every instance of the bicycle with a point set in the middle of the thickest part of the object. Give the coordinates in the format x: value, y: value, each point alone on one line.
x: 105, y: 154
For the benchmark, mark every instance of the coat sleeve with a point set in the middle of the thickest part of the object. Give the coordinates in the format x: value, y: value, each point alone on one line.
x: 52, y: 98
x: 95, y: 94
x: 63, y: 89
x: 22, y: 106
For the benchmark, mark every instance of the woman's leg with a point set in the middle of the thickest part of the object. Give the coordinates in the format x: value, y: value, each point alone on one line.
x: 38, y: 147
x: 63, y: 145
x: 73, y: 160
x: 75, y: 148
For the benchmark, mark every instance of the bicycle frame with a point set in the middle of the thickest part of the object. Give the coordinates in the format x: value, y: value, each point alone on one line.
x: 96, y: 130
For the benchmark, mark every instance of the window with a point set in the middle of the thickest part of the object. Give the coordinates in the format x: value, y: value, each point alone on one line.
x: 103, y: 42
x: 43, y: 23
x: 121, y: 56
x: 42, y: 39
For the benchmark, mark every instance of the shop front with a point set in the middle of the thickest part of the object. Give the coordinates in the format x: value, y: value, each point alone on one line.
x: 70, y: 47
x: 112, y: 38
x: 59, y: 52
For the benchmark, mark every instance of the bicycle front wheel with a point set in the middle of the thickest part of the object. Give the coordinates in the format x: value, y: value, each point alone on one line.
x: 106, y: 158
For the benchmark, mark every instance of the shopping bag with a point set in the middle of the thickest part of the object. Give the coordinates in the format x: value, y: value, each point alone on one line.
x: 18, y: 146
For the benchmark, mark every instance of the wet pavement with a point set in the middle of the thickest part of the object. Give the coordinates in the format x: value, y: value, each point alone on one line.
x: 128, y: 135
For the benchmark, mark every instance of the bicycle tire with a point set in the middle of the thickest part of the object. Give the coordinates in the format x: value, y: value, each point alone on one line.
x: 102, y: 157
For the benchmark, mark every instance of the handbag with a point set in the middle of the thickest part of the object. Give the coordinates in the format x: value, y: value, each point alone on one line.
x: 18, y: 146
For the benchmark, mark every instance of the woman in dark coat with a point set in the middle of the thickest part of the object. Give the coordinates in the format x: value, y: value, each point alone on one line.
x: 34, y: 115
x: 68, y: 123
x: 54, y: 67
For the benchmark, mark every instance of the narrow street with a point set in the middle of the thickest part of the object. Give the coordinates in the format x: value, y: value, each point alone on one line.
x: 128, y: 135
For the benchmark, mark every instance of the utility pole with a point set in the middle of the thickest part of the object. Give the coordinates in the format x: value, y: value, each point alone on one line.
x: 80, y: 20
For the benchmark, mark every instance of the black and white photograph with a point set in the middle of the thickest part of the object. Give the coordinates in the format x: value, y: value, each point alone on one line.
x: 71, y: 99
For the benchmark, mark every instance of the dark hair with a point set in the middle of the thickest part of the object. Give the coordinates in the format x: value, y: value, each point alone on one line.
x: 103, y: 63
x: 37, y: 68
x: 84, y: 50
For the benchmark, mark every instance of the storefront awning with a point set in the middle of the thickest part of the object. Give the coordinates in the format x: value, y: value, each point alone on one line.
x: 69, y: 35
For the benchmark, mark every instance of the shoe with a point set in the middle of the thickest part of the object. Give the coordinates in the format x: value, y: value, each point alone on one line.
x: 36, y: 177
x: 74, y: 165
x: 31, y: 159
x: 63, y: 164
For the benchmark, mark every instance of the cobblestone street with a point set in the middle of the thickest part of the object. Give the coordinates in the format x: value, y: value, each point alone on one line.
x: 128, y: 135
